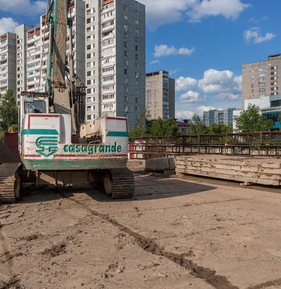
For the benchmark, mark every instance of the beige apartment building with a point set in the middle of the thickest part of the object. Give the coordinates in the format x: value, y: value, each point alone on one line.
x: 160, y: 95
x: 260, y: 79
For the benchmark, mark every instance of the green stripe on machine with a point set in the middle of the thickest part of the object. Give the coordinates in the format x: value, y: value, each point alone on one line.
x: 118, y: 133
x: 40, y: 131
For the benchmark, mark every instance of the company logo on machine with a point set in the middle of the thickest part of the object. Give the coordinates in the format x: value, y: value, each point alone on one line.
x: 48, y: 145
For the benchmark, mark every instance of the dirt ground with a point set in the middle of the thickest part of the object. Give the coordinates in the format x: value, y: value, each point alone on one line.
x: 175, y: 233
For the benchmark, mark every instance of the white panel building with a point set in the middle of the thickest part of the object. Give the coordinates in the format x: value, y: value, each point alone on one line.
x: 7, y: 62
x: 38, y: 46
x: 21, y: 58
x: 115, y: 58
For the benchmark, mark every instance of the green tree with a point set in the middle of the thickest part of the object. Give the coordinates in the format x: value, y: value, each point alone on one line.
x: 251, y: 120
x: 167, y: 127
x: 215, y: 128
x: 279, y: 120
x: 197, y: 126
x: 140, y: 129
x: 8, y: 111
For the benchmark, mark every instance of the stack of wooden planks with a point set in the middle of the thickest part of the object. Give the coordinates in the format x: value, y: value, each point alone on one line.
x: 259, y: 170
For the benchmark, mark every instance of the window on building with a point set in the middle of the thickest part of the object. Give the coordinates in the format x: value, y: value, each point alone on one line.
x: 275, y: 103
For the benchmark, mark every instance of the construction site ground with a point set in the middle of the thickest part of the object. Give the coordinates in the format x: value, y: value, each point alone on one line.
x: 175, y: 233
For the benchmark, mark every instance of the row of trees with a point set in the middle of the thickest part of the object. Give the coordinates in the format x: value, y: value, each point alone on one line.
x: 160, y: 127
x: 198, y: 127
x: 250, y: 120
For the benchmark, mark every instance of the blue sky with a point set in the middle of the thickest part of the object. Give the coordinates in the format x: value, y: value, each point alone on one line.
x: 202, y: 43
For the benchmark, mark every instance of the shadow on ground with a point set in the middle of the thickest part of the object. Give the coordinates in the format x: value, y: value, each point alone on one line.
x: 147, y: 187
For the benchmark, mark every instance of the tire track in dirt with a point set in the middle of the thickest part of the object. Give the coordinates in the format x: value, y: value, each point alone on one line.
x: 267, y: 284
x: 151, y: 246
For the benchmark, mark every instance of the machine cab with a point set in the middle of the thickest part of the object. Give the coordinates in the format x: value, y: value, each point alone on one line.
x: 33, y: 102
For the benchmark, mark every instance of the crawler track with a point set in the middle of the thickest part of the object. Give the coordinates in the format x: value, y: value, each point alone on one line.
x: 123, y: 185
x: 9, y: 182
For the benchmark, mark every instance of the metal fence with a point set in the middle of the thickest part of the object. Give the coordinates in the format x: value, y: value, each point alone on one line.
x: 258, y: 144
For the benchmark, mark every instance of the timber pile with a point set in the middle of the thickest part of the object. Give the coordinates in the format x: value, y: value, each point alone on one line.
x: 259, y: 170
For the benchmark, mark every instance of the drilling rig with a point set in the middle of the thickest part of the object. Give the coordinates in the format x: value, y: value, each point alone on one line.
x: 56, y: 146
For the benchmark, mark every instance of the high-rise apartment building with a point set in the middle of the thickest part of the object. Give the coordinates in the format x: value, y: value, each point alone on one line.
x: 160, y: 95
x: 115, y: 58
x: 218, y: 116
x: 21, y: 58
x: 261, y: 79
x: 108, y: 50
x: 37, y: 47
x: 7, y: 62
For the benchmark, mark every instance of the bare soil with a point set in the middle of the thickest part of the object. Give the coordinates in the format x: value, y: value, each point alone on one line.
x: 175, y: 233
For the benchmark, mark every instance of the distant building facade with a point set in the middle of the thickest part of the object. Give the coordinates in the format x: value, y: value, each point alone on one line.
x: 261, y: 79
x: 160, y: 95
x: 184, y: 126
x: 7, y: 62
x: 218, y: 116
x: 261, y: 87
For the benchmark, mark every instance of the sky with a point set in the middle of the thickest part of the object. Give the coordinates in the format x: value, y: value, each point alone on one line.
x: 201, y: 43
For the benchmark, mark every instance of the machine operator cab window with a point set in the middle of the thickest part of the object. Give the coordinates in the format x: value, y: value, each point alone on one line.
x: 33, y: 103
x: 36, y: 106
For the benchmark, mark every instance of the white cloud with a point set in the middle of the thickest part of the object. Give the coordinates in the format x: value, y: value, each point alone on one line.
x: 7, y: 25
x: 221, y: 85
x: 200, y: 109
x: 228, y: 9
x: 154, y: 61
x: 188, y: 114
x: 158, y: 13
x: 254, y: 35
x: 184, y: 83
x: 254, y: 20
x: 186, y: 51
x: 23, y: 6
x: 190, y: 96
x: 224, y: 84
x: 171, y: 72
x: 165, y: 50
x: 184, y: 114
